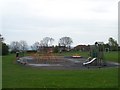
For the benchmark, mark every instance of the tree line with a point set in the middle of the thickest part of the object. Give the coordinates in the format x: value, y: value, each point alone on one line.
x: 112, y: 45
x: 45, y: 42
x: 66, y: 42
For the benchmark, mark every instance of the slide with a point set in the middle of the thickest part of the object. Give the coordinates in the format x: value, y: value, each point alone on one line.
x: 89, y: 62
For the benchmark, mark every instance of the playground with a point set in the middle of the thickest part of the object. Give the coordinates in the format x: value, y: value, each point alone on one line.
x: 25, y: 76
x: 46, y: 59
x: 62, y: 70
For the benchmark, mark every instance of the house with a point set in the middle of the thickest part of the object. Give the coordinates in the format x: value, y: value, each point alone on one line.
x: 82, y: 48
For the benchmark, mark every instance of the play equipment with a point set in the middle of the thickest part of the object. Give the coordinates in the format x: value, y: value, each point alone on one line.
x: 89, y: 62
x: 45, y: 56
x: 76, y: 56
x: 22, y: 61
x: 96, y: 55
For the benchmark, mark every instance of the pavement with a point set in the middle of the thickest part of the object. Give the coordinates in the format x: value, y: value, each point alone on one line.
x: 66, y: 63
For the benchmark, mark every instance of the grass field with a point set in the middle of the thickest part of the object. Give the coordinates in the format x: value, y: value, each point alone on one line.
x: 18, y: 76
x: 111, y: 56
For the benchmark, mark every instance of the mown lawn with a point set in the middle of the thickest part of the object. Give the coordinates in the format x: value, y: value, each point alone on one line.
x: 18, y: 76
x: 111, y: 56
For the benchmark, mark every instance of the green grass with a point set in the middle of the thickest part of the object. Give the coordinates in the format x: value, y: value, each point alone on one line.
x: 111, y: 56
x: 18, y: 76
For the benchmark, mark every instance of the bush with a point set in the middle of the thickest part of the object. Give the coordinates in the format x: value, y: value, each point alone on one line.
x: 4, y: 49
x: 56, y: 49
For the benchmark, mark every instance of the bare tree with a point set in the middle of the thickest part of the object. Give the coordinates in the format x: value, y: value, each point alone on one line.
x: 14, y: 46
x: 42, y: 43
x: 35, y: 46
x: 47, y: 41
x: 51, y: 41
x: 18, y: 46
x: 65, y: 41
x: 23, y: 45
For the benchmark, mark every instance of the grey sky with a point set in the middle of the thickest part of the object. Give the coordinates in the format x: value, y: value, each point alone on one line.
x: 85, y: 21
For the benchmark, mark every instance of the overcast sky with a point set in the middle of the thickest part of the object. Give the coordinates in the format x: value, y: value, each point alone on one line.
x: 85, y: 21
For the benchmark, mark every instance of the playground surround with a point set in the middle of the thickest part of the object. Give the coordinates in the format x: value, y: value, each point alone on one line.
x: 46, y: 58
